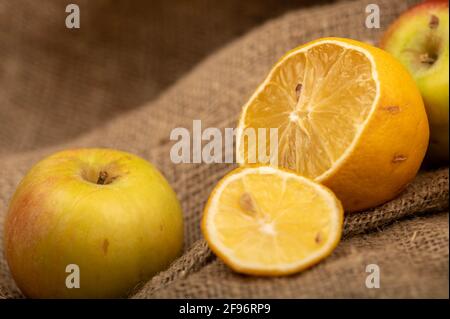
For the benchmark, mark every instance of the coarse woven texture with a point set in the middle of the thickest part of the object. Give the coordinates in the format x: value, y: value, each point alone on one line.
x: 90, y: 92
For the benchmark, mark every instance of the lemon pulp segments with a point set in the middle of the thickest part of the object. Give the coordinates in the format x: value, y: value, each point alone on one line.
x: 319, y: 98
x: 268, y: 221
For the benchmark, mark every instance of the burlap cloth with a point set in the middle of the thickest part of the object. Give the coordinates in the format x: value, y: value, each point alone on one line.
x: 123, y: 81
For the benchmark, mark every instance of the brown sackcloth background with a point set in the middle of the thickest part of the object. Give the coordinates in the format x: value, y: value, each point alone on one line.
x: 135, y: 70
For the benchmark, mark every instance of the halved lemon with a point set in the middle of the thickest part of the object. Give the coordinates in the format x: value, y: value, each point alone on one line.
x: 348, y: 115
x: 267, y: 221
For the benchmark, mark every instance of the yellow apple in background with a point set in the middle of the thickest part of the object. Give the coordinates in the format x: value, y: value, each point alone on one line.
x: 419, y: 39
x: 109, y: 213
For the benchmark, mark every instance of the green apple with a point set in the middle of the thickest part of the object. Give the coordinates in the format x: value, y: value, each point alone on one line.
x: 419, y: 39
x: 91, y: 223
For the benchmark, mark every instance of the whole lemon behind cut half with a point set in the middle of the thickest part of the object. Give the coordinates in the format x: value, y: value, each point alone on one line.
x: 268, y: 221
x: 348, y: 114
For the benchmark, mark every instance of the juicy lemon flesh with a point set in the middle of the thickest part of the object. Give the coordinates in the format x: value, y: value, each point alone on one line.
x: 318, y: 99
x: 263, y: 219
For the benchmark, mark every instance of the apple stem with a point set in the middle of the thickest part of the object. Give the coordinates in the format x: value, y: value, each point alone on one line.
x: 102, y: 176
x: 426, y: 58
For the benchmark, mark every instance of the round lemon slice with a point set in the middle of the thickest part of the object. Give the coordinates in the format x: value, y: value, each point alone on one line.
x: 267, y: 221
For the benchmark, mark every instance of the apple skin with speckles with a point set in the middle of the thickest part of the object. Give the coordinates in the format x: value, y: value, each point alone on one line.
x: 110, y: 213
x: 419, y: 38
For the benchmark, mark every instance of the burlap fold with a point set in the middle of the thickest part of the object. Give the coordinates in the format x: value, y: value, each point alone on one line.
x: 411, y: 250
